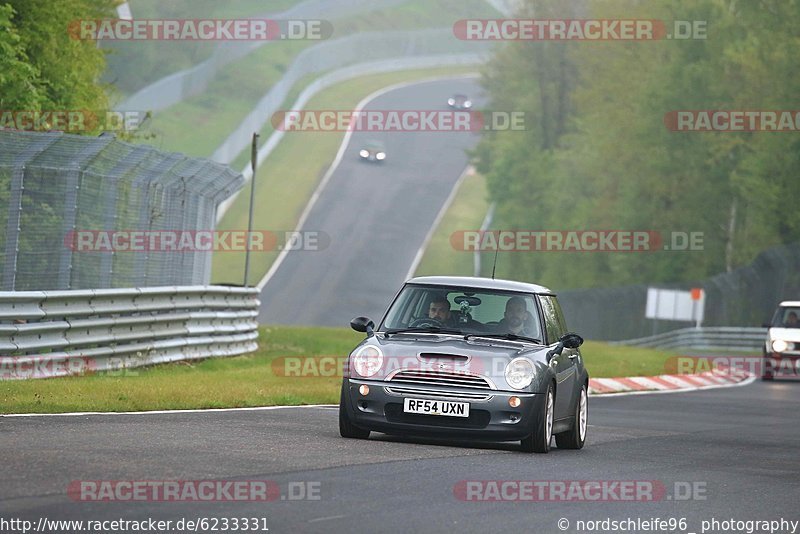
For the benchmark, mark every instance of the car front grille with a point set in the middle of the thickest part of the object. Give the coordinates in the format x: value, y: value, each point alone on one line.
x: 438, y: 394
x: 440, y: 378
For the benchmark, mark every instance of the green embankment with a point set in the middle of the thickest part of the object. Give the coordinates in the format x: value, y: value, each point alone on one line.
x: 267, y: 377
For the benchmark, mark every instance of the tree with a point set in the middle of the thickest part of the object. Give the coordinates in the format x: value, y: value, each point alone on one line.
x: 599, y: 156
x: 18, y: 89
x: 44, y: 68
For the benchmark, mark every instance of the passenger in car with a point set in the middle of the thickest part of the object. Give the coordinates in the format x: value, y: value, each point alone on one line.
x: 791, y: 320
x: 517, y: 319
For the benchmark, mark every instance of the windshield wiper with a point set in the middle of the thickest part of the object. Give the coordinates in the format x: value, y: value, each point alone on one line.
x: 509, y: 336
x: 429, y: 329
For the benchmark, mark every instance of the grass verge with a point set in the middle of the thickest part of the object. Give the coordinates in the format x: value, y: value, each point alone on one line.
x: 466, y: 212
x: 258, y: 379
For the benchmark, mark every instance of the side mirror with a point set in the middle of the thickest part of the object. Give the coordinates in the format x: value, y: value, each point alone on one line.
x: 571, y: 340
x: 558, y: 349
x: 362, y: 324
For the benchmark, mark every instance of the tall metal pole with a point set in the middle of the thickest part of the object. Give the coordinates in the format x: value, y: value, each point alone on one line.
x: 253, y: 164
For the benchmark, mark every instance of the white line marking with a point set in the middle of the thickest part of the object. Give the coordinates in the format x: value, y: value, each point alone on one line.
x: 338, y: 159
x: 159, y: 412
x: 326, y: 518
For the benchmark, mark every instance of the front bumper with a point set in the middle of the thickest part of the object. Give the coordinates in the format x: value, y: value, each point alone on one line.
x: 491, y: 418
x: 781, y: 364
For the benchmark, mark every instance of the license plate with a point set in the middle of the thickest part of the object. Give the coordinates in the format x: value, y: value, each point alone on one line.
x: 436, y: 407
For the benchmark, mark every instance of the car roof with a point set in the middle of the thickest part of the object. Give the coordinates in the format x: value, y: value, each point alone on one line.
x: 790, y: 303
x: 483, y: 283
x: 374, y: 143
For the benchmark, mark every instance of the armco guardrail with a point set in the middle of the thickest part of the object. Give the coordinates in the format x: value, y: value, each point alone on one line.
x: 55, y: 333
x: 705, y: 338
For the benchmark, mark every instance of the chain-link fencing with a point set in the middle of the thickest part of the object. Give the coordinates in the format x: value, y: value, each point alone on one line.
x: 55, y: 186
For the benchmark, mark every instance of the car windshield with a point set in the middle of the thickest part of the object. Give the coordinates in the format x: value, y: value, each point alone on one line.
x: 787, y: 317
x: 464, y: 311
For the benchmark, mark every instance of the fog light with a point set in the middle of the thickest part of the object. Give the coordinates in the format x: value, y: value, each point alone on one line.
x: 363, y: 389
x: 514, y: 401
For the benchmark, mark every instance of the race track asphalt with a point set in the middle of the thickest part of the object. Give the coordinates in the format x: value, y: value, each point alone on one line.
x: 737, y: 446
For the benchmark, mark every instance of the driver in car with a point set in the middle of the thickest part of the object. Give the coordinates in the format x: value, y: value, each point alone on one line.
x: 439, y: 310
x: 516, y: 318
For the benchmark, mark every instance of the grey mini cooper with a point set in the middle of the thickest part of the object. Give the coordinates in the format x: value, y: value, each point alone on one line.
x: 468, y: 358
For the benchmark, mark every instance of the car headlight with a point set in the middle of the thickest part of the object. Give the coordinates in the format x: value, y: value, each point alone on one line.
x: 467, y: 104
x: 780, y: 345
x: 380, y: 156
x: 519, y: 373
x: 451, y: 101
x: 364, y: 153
x: 368, y: 360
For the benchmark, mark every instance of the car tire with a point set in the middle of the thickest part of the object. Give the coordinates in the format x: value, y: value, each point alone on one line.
x: 539, y: 440
x: 765, y: 375
x: 346, y: 428
x: 575, y: 438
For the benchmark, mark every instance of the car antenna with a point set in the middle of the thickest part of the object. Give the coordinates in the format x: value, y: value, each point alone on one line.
x: 494, y: 265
